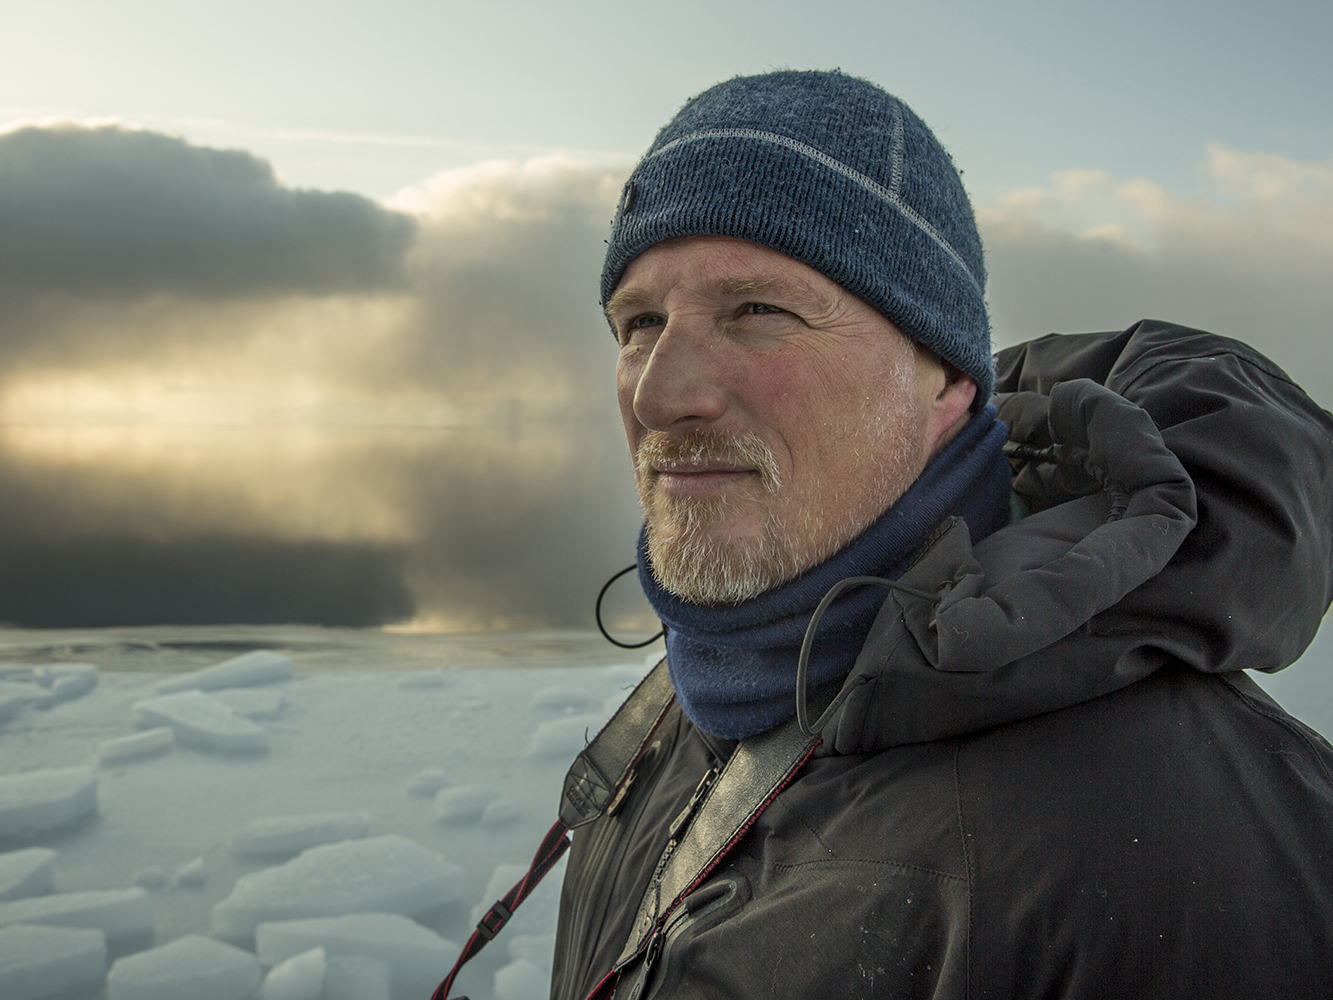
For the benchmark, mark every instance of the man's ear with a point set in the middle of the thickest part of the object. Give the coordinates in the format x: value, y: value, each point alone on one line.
x: 951, y: 408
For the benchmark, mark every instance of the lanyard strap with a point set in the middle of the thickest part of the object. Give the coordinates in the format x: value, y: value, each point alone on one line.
x: 597, y: 781
x: 759, y: 769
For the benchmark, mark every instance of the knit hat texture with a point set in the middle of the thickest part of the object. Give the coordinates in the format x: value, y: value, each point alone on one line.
x: 830, y: 170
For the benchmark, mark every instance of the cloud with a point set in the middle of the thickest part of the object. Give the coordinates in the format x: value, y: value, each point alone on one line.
x: 118, y: 212
x: 1249, y: 257
x: 435, y: 436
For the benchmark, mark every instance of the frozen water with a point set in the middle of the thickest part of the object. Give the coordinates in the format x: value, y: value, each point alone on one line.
x: 501, y: 812
x: 522, y: 980
x: 388, y: 874
x: 285, y: 836
x: 463, y: 804
x: 425, y: 679
x: 33, y: 802
x: 565, y: 738
x: 15, y: 696
x: 300, y: 977
x: 253, y: 703
x: 141, y: 744
x: 123, y: 915
x: 67, y: 681
x: 27, y: 873
x: 189, y: 968
x: 537, y: 914
x: 151, y: 877
x: 428, y: 781
x: 202, y: 721
x: 39, y: 962
x: 359, y: 977
x: 419, y: 957
x: 562, y: 699
x: 539, y: 949
x: 262, y: 666
x: 191, y: 875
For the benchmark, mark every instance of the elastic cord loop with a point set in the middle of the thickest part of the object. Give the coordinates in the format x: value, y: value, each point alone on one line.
x: 803, y: 663
x: 597, y: 611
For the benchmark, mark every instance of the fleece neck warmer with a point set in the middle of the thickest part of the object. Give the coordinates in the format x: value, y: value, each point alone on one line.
x: 734, y: 665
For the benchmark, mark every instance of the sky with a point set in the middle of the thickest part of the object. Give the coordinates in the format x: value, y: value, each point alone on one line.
x: 298, y: 310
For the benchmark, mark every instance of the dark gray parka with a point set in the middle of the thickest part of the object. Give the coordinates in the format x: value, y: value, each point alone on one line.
x: 1053, y: 780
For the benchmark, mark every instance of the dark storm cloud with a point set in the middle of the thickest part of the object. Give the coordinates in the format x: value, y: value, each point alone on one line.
x: 116, y: 212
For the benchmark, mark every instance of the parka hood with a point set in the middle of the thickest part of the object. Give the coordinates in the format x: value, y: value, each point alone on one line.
x: 1181, y: 490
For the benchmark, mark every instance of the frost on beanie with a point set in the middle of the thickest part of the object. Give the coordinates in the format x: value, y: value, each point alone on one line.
x: 836, y: 173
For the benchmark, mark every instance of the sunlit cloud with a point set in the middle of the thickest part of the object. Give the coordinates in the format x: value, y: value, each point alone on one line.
x: 1248, y: 257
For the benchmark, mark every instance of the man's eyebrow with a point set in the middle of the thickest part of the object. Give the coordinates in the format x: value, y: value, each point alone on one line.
x: 626, y: 299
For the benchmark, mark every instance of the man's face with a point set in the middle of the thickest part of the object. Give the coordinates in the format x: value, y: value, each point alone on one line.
x: 772, y: 415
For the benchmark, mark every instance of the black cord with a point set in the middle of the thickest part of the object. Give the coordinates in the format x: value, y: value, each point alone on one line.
x: 803, y: 663
x: 597, y: 611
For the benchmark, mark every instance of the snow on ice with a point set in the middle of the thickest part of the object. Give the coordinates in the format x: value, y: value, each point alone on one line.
x: 196, y: 967
x: 168, y: 837
x: 386, y: 874
x: 284, y: 836
x: 417, y: 957
x: 358, y: 977
x: 40, y: 962
x: 27, y: 873
x: 202, y: 721
x: 300, y: 977
x: 141, y: 744
x: 37, y: 801
x: 123, y: 915
x: 263, y: 666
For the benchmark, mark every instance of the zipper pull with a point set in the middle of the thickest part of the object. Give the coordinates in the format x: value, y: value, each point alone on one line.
x: 645, y: 969
x: 679, y: 823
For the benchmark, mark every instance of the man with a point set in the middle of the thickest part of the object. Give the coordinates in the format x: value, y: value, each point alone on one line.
x: 1038, y: 769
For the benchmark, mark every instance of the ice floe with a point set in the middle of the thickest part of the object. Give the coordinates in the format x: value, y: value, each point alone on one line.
x: 202, y: 721
x: 565, y: 737
x: 285, y: 836
x: 27, y: 872
x: 141, y: 744
x: 300, y: 977
x: 67, y: 681
x: 418, y: 957
x: 464, y: 804
x: 193, y: 967
x: 15, y: 696
x: 262, y: 666
x: 33, y: 802
x: 41, y: 962
x: 123, y: 915
x: 386, y: 874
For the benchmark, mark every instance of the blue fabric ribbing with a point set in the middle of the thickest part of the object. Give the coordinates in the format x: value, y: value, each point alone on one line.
x: 734, y: 666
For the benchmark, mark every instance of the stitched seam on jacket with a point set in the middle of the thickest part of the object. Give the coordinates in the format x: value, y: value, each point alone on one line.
x: 1272, y: 373
x: 845, y: 862
x: 1285, y: 723
x: 798, y: 818
x: 967, y: 866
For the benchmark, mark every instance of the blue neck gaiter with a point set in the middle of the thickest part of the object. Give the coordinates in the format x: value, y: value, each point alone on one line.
x: 734, y: 665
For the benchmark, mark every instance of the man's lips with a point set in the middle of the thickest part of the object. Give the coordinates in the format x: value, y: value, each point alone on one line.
x: 682, y: 478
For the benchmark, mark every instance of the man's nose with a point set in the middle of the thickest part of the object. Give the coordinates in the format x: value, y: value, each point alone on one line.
x: 678, y: 388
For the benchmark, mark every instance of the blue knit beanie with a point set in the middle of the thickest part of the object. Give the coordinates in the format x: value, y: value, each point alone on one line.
x: 836, y: 173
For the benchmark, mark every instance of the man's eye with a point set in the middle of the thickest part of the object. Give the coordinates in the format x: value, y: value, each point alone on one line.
x: 761, y: 309
x: 645, y: 321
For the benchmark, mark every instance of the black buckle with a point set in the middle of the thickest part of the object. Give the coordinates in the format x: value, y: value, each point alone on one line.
x: 485, y: 928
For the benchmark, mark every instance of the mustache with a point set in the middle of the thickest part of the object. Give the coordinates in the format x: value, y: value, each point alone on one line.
x: 747, y: 450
